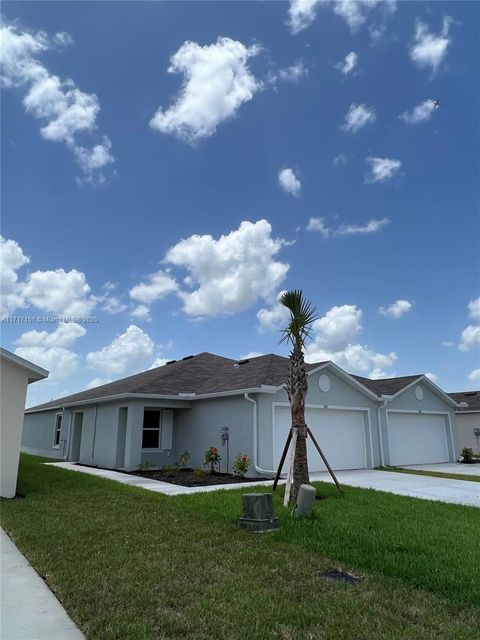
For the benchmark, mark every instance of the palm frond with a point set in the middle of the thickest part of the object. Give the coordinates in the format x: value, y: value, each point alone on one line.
x: 302, y: 314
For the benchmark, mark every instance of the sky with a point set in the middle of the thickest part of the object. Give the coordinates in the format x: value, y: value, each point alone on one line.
x: 169, y: 168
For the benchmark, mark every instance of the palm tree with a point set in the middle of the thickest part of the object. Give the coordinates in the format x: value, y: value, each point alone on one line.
x: 302, y: 315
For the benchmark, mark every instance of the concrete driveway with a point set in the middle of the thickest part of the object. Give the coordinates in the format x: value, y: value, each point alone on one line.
x: 406, y: 484
x: 449, y: 467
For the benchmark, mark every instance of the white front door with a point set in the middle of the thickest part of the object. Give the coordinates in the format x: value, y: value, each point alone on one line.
x: 415, y: 438
x: 339, y: 432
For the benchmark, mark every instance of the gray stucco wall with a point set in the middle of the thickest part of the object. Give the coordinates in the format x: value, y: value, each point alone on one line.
x: 38, y: 432
x: 430, y: 402
x: 341, y: 394
x: 466, y: 422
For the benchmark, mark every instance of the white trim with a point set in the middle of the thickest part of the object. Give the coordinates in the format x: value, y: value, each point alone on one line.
x: 436, y: 389
x: 38, y: 373
x: 448, y: 427
x: 338, y: 408
x: 57, y: 446
x: 255, y: 437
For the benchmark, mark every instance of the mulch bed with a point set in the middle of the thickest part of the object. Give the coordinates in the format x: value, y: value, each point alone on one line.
x: 187, y: 478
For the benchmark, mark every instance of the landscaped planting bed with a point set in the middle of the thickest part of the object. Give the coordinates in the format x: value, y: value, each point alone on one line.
x: 193, y: 477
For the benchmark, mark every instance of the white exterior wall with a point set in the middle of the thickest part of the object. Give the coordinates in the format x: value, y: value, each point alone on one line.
x: 13, y: 391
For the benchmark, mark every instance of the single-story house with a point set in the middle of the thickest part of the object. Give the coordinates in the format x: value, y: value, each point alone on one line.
x: 15, y: 374
x: 152, y: 417
x: 467, y: 417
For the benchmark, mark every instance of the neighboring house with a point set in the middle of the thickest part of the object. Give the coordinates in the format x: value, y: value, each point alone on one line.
x: 186, y: 404
x: 15, y: 374
x: 468, y: 419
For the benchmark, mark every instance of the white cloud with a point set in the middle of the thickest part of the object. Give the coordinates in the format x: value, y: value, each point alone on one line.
x: 62, y: 292
x: 421, y: 113
x: 158, y: 362
x: 51, y: 350
x: 474, y: 379
x: 432, y: 376
x: 113, y: 305
x: 97, y: 382
x: 429, y: 49
x: 142, y: 312
x: 357, y: 116
x: 273, y: 318
x: 334, y: 338
x: 319, y: 224
x: 293, y: 73
x: 372, y: 226
x: 230, y: 273
x: 348, y: 64
x: 217, y: 81
x: 158, y: 286
x: 302, y: 13
x: 448, y: 343
x: 252, y: 354
x: 127, y: 353
x: 470, y: 338
x: 382, y: 169
x: 289, y: 181
x: 396, y: 309
x: 340, y: 160
x: 12, y: 259
x: 474, y: 309
x: 64, y: 109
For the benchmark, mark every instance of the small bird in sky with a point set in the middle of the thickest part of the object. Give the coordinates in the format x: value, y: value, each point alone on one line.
x: 436, y: 104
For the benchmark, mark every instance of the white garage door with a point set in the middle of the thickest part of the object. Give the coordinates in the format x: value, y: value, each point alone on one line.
x: 340, y: 434
x: 417, y: 438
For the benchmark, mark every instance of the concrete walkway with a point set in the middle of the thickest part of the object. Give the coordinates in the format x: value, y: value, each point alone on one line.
x: 29, y: 610
x: 403, y: 484
x: 449, y: 467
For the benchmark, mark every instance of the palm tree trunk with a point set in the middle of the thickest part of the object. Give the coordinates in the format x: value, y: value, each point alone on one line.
x: 297, y: 393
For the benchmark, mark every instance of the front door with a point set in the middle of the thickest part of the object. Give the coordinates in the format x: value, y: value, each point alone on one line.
x: 76, y: 437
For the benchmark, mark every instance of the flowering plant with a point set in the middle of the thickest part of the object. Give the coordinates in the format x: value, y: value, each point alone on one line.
x: 212, y: 459
x: 241, y: 464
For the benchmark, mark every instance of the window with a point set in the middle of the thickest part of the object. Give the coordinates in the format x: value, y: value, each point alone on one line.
x: 152, y: 424
x: 58, y: 431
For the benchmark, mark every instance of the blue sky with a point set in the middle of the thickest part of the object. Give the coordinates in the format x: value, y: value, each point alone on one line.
x: 169, y: 168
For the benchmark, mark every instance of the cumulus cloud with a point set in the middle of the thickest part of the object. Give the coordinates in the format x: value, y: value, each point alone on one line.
x: 274, y: 317
x: 372, y: 226
x: 217, y: 81
x: 12, y: 259
x: 158, y: 362
x: 159, y: 285
x: 293, y: 73
x: 59, y: 291
x: 396, y: 309
x: 64, y: 110
x: 382, y: 169
x: 470, y: 338
x: 289, y: 181
x: 474, y: 379
x: 421, y: 113
x: 474, y: 309
x: 429, y: 49
x: 142, y: 312
x: 230, y: 274
x: 348, y: 64
x: 129, y: 352
x: 355, y: 13
x: 335, y: 338
x: 51, y: 350
x: 357, y: 116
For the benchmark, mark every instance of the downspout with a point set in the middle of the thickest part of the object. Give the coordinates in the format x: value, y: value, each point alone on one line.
x: 255, y: 438
x: 94, y: 432
x: 379, y: 421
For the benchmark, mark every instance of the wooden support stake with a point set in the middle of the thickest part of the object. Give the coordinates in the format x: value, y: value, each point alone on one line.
x: 282, y: 459
x: 325, y: 460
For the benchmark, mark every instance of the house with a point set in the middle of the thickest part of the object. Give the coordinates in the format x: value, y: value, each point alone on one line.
x: 15, y: 373
x: 467, y: 417
x: 188, y: 404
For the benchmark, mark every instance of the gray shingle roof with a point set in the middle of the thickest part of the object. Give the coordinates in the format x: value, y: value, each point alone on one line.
x: 201, y: 374
x: 472, y: 398
x: 387, y: 386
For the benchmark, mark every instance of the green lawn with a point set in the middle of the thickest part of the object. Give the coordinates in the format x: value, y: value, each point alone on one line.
x: 435, y: 474
x: 129, y: 564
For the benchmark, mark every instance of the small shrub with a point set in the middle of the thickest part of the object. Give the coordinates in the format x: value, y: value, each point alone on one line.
x: 212, y: 459
x: 241, y: 464
x: 168, y: 468
x: 200, y: 473
x: 468, y: 455
x: 183, y: 459
x: 145, y: 466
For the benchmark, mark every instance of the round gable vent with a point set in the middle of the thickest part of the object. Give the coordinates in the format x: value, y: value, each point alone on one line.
x: 419, y: 392
x: 324, y: 383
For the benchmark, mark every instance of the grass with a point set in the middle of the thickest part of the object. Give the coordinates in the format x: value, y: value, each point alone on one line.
x: 434, y: 474
x: 134, y: 565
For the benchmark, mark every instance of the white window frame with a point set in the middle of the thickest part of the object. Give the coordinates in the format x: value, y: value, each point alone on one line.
x: 159, y: 429
x: 57, y: 430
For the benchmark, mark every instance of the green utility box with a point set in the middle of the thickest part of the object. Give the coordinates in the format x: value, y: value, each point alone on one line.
x: 258, y: 513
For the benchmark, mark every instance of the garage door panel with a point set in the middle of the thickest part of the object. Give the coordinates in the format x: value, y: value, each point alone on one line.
x: 417, y: 438
x: 340, y: 434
